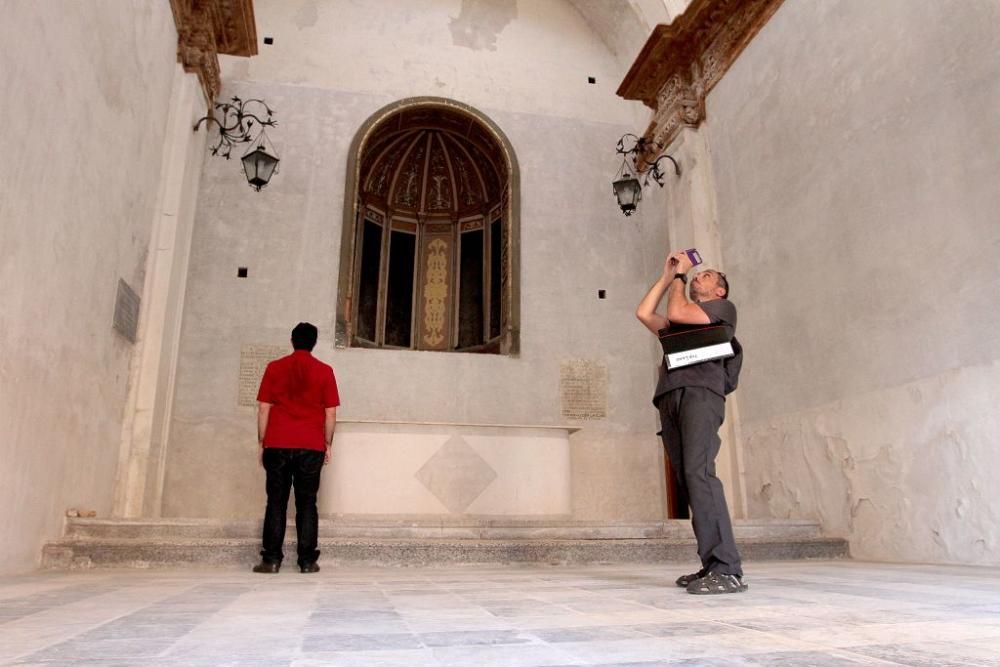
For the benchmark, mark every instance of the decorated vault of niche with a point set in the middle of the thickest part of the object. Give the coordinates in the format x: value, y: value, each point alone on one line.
x: 430, y: 268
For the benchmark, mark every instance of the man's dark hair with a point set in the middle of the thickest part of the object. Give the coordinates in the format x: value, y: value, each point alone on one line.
x: 723, y: 283
x: 304, y: 336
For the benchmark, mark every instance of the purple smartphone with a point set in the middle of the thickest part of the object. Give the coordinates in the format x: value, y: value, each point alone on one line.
x: 693, y: 256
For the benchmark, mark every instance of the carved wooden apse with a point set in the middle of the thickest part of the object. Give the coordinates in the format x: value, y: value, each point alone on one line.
x: 430, y: 263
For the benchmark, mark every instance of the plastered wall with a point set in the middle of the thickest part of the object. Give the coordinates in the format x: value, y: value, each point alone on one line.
x: 333, y: 64
x: 85, y: 89
x: 856, y: 147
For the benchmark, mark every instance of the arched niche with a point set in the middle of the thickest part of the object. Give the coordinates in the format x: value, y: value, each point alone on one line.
x: 429, y: 255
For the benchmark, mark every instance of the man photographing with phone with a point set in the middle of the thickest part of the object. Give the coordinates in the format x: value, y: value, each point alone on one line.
x: 691, y: 401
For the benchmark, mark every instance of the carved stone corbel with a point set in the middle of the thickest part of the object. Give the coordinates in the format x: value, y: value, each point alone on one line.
x: 206, y: 28
x: 681, y: 62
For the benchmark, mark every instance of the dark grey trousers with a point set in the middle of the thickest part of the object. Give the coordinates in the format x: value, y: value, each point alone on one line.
x: 690, y: 418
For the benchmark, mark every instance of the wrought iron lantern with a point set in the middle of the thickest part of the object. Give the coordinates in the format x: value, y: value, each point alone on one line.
x: 260, y: 162
x: 628, y: 190
x: 626, y: 186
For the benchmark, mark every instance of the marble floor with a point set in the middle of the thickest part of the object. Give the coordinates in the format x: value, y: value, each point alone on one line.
x: 798, y: 613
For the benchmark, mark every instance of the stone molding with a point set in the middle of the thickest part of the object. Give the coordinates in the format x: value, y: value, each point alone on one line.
x: 681, y: 62
x: 206, y: 28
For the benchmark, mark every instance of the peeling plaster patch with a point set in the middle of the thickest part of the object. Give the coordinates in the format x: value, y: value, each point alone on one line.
x: 480, y: 22
x: 803, y: 451
x: 307, y: 16
x: 904, y: 473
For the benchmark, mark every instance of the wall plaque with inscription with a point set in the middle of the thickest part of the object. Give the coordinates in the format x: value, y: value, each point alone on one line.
x: 126, y: 319
x: 583, y: 388
x: 254, y: 358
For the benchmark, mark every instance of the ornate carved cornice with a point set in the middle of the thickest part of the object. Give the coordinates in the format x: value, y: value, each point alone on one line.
x: 206, y: 28
x: 681, y: 62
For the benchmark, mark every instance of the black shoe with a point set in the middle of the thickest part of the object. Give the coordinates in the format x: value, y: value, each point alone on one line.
x: 686, y: 579
x: 309, y: 568
x: 265, y: 567
x: 715, y: 583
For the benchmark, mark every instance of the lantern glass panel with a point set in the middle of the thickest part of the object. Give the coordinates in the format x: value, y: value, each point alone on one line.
x: 259, y: 166
x: 628, y: 191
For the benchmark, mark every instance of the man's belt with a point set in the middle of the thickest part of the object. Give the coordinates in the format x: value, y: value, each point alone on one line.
x: 693, y: 346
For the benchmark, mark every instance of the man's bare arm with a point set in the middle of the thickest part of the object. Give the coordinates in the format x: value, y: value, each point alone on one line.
x: 328, y: 428
x: 263, y: 412
x: 331, y: 424
x: 646, y: 312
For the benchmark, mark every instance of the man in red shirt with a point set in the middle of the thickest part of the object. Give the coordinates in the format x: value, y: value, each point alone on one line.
x: 296, y: 417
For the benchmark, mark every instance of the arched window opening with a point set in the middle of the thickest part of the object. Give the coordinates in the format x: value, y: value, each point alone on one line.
x: 427, y: 261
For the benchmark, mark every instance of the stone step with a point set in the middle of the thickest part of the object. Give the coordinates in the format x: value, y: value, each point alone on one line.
x: 206, y: 542
x: 86, y: 553
x: 466, y: 529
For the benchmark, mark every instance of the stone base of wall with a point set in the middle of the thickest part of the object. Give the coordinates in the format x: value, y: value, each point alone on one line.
x: 159, y: 543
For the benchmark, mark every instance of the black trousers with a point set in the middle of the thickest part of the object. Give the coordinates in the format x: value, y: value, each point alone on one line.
x: 690, y: 418
x: 287, y: 468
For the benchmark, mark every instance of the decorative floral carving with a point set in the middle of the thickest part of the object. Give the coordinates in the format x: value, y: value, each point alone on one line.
x: 435, y: 292
x: 427, y: 170
x: 468, y: 194
x: 406, y: 189
x: 488, y: 173
x: 439, y: 195
x: 206, y: 28
x: 683, y: 61
x: 378, y: 183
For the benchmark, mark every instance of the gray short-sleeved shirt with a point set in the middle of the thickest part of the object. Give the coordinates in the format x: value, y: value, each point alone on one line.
x: 708, y: 374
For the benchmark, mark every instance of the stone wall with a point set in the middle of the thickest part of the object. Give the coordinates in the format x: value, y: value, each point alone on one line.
x: 856, y: 148
x: 333, y: 64
x: 86, y: 87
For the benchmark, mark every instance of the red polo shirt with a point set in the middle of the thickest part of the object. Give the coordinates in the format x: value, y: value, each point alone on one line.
x: 299, y: 388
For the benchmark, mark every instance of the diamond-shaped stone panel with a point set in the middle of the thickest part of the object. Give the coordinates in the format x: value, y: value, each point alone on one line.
x: 456, y: 474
